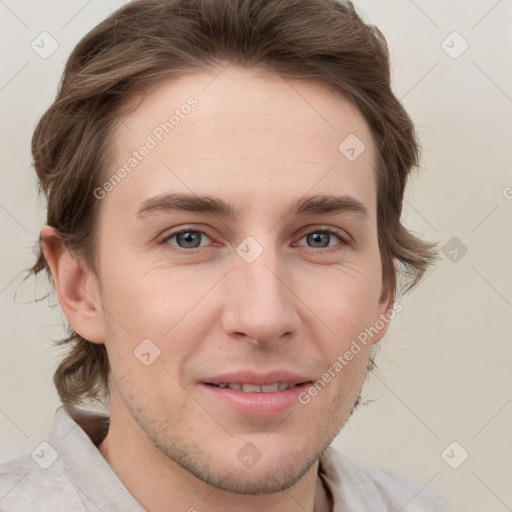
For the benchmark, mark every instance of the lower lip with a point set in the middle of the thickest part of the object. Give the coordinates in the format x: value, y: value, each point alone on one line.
x: 256, y: 404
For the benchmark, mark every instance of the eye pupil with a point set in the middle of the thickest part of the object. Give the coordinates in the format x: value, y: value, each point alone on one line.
x: 189, y: 237
x: 319, y: 238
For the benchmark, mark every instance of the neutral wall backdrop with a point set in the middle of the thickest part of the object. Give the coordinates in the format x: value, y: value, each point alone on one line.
x: 443, y: 412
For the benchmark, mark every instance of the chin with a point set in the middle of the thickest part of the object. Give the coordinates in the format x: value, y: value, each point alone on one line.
x: 264, y: 477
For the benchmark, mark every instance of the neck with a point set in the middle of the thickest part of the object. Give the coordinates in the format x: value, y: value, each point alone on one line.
x: 155, y: 480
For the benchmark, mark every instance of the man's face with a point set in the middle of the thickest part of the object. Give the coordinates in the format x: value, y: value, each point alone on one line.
x: 265, y: 297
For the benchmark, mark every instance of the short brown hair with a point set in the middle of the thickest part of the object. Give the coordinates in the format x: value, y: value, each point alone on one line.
x: 147, y: 41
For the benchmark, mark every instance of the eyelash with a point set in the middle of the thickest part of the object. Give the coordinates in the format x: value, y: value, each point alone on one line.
x: 331, y: 231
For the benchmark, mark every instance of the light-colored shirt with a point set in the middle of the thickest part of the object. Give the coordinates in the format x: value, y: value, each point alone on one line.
x: 68, y: 473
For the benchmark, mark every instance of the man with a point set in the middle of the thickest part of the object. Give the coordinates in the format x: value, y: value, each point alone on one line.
x: 224, y: 182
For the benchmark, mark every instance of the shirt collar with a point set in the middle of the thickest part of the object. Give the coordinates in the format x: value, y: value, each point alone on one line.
x: 75, y: 436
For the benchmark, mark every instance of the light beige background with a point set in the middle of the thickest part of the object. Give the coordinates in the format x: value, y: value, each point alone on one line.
x: 445, y: 363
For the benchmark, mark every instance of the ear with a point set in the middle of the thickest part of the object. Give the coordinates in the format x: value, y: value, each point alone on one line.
x: 77, y: 287
x: 386, y: 310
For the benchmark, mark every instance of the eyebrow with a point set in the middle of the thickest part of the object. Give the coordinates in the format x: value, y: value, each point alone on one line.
x: 318, y: 204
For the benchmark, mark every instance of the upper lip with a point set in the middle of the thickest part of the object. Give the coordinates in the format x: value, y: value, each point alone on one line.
x: 258, y: 379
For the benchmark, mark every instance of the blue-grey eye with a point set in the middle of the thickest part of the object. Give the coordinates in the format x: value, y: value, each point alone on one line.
x: 188, y: 239
x: 319, y: 239
x: 322, y: 238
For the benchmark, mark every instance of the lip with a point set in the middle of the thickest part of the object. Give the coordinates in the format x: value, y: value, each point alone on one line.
x: 258, y: 379
x: 256, y: 404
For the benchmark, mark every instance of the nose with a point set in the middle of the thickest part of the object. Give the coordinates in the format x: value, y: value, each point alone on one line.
x: 259, y: 301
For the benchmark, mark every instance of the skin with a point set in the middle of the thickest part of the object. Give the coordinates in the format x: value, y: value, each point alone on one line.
x: 261, y: 143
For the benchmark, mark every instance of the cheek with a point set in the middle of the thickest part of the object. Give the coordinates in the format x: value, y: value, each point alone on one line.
x: 345, y: 306
x: 345, y: 298
x: 155, y: 313
x: 144, y: 303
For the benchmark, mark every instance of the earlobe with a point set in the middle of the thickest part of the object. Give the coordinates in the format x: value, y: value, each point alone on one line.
x: 76, y: 285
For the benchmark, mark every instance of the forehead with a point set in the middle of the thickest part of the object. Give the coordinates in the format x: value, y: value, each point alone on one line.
x: 239, y: 132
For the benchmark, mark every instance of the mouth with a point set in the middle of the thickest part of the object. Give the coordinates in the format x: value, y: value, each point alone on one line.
x: 254, y: 388
x: 250, y: 394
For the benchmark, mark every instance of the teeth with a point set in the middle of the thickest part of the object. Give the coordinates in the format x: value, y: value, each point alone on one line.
x: 253, y: 388
x: 270, y: 388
